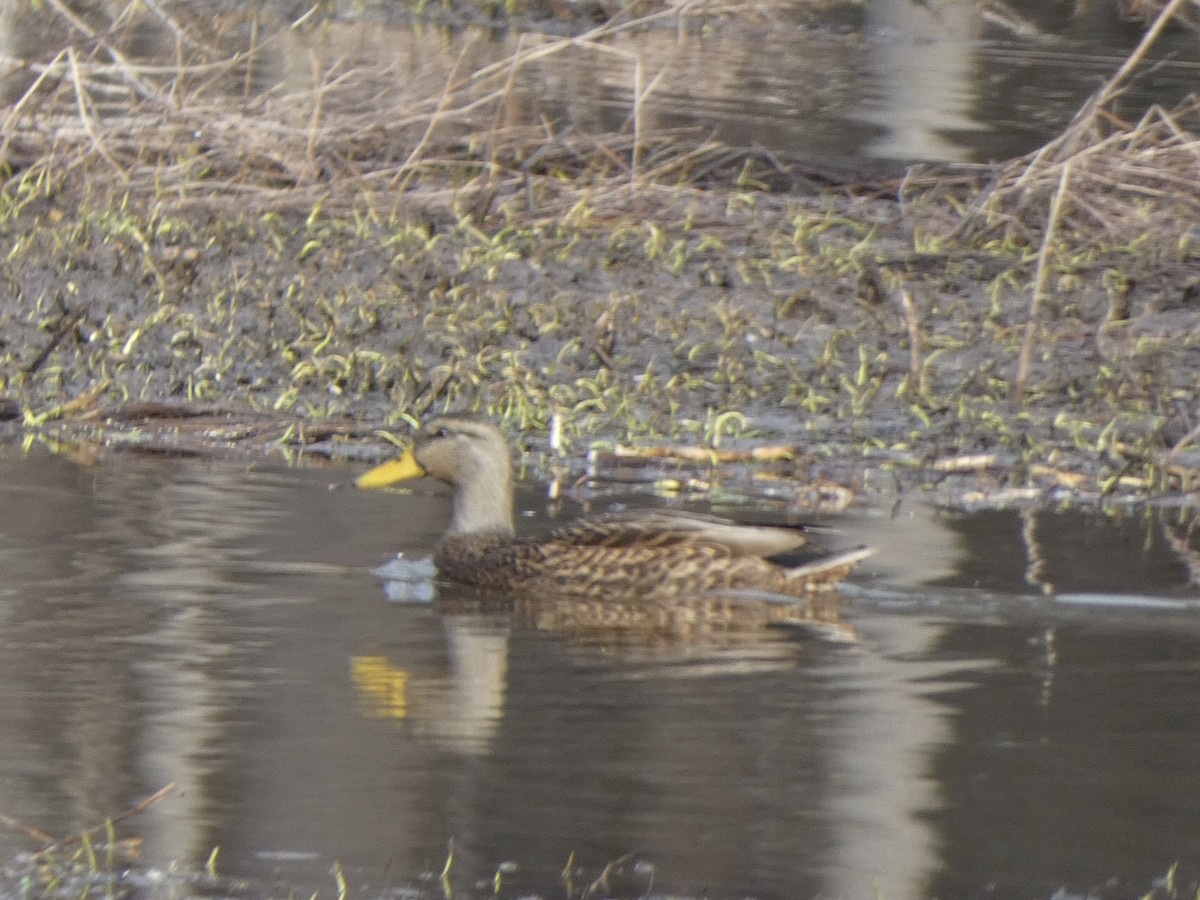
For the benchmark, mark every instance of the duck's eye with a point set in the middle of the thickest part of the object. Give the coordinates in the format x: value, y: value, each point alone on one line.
x: 440, y: 433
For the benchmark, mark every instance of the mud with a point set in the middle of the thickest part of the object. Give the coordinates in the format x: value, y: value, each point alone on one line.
x: 202, y: 275
x: 699, y: 315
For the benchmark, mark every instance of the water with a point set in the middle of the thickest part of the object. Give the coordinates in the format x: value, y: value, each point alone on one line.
x: 883, y: 80
x: 1021, y: 715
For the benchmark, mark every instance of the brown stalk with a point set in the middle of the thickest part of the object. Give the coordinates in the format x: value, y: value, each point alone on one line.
x: 85, y: 117
x: 913, y: 320
x: 53, y: 844
x: 69, y: 321
x: 129, y: 71
x: 406, y: 171
x: 1039, y: 286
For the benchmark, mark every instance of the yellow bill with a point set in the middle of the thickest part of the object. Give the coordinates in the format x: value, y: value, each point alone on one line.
x: 390, y: 472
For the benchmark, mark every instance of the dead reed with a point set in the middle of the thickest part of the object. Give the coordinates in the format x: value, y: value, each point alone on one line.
x: 182, y: 134
x: 1104, y: 184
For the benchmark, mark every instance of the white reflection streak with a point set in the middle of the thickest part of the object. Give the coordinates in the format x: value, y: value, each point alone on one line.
x: 913, y: 544
x: 463, y: 711
x: 186, y: 683
x: 884, y: 847
x: 925, y: 74
x: 479, y: 659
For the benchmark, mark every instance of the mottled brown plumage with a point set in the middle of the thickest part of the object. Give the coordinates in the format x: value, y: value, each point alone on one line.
x: 662, y: 556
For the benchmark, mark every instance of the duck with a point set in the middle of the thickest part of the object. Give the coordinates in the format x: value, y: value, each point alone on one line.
x: 659, y: 556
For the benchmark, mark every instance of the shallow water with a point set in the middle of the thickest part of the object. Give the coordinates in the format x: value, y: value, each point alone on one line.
x: 884, y: 79
x: 1019, y: 716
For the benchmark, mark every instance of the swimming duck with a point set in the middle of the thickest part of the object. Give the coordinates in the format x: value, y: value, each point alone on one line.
x: 661, y: 556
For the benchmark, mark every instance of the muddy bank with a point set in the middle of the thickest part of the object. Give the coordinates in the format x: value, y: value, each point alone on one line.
x: 309, y: 272
x: 698, y: 315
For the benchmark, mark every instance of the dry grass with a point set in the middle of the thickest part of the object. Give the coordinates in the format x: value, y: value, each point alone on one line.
x: 1117, y: 180
x: 1103, y: 183
x: 178, y: 134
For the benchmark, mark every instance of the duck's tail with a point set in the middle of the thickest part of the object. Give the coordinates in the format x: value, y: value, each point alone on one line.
x: 826, y: 571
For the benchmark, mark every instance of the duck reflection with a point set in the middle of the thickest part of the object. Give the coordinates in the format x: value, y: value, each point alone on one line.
x: 463, y: 707
x: 614, y: 622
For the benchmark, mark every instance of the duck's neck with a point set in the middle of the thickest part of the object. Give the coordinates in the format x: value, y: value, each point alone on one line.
x: 483, y: 506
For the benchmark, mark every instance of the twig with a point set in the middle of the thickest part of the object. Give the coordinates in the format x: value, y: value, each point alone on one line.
x: 28, y: 830
x: 129, y: 71
x: 142, y: 806
x: 406, y: 172
x: 1135, y: 58
x: 703, y: 455
x: 1069, y: 142
x: 314, y: 119
x: 602, y: 884
x: 107, y: 826
x: 913, y: 320
x: 1189, y: 438
x: 70, y: 319
x: 6, y: 129
x: 1039, y: 285
x: 637, y: 121
x: 85, y: 117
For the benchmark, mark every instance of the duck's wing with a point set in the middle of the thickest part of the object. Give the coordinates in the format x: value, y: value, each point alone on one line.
x: 663, y: 528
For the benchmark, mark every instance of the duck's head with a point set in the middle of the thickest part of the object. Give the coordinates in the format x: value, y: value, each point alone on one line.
x: 468, y: 454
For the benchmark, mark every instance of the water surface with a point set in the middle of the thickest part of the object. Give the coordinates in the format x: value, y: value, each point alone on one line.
x: 1020, y: 715
x: 879, y: 80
